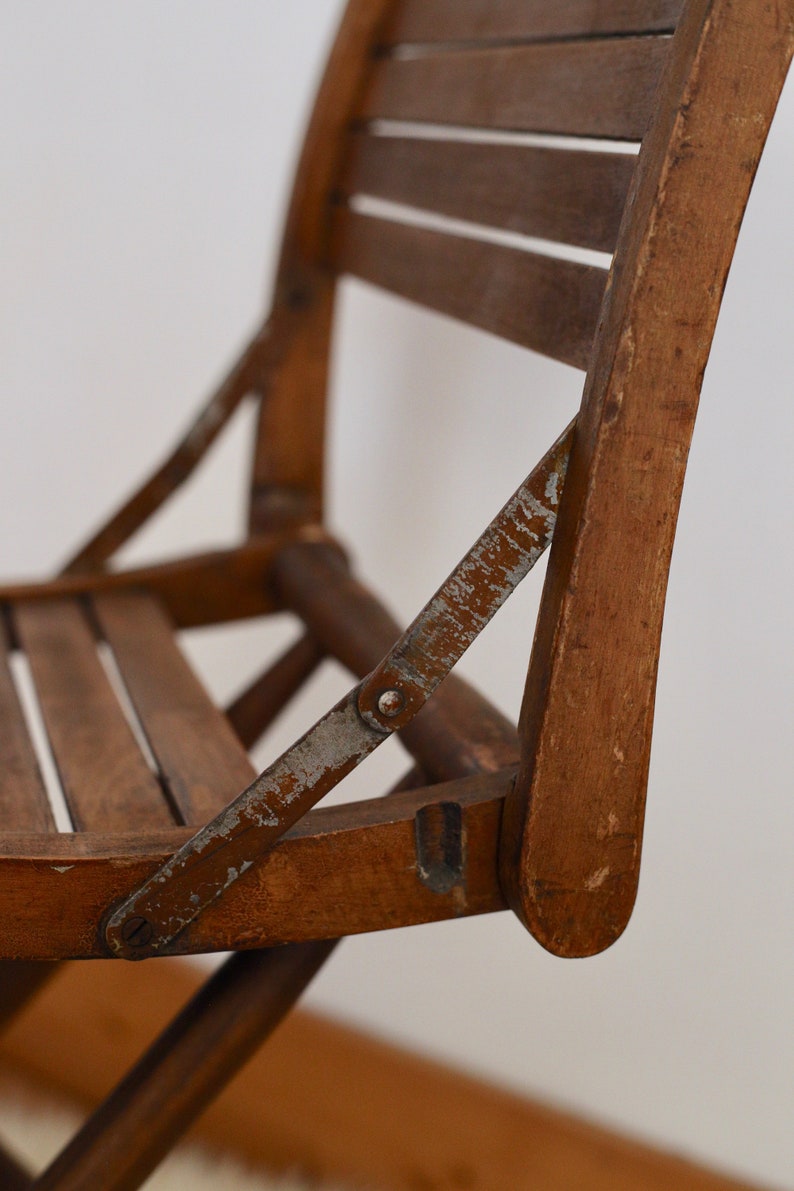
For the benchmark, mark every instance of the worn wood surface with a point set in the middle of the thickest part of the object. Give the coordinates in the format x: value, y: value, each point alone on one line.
x: 23, y: 799
x: 105, y: 779
x: 503, y: 20
x: 592, y: 89
x: 538, y: 301
x: 570, y: 847
x: 341, y: 870
x: 201, y: 589
x: 330, y: 1102
x: 564, y: 195
x: 574, y: 824
x: 288, y: 471
x: 202, y: 763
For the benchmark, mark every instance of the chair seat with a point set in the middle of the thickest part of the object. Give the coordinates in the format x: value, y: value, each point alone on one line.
x: 136, y: 742
x: 141, y: 757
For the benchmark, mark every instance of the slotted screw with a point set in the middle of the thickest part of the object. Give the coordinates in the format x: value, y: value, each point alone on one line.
x: 137, y: 931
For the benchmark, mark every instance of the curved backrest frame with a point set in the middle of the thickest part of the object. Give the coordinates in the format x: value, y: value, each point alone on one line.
x: 573, y: 825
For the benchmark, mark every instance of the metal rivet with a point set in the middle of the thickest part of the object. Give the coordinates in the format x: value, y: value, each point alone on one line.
x: 391, y: 703
x: 137, y: 931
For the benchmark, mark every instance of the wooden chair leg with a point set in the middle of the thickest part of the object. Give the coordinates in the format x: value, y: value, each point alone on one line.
x: 19, y: 981
x: 191, y: 1061
x: 13, y: 1176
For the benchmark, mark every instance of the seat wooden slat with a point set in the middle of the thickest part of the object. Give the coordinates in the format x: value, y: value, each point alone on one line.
x: 601, y: 88
x: 419, y: 21
x: 564, y: 195
x: 23, y: 799
x: 201, y: 760
x: 106, y: 781
x: 541, y: 302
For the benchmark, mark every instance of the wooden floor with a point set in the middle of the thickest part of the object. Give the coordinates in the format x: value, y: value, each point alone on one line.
x: 326, y: 1100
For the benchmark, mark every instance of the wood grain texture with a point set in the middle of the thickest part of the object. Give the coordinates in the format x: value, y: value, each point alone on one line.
x: 104, y: 776
x: 201, y: 761
x: 201, y: 589
x: 287, y: 480
x: 568, y: 196
x: 502, y: 20
x: 540, y: 302
x: 24, y: 805
x: 341, y: 870
x: 330, y: 1101
x: 574, y: 823
x: 287, y: 486
x: 601, y: 88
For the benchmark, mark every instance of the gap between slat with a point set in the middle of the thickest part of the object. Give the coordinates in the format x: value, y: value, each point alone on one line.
x: 106, y: 780
x: 407, y: 51
x: 483, y: 21
x: 116, y: 681
x: 34, y: 721
x: 416, y: 217
x: 496, y: 136
x: 545, y: 304
x: 202, y: 762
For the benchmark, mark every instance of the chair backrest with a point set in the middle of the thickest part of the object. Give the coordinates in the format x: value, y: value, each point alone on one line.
x: 417, y: 123
x: 466, y: 74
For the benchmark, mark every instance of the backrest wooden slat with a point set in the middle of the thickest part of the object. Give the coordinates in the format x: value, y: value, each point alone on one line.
x: 481, y: 20
x: 555, y: 194
x: 599, y: 88
x: 201, y: 760
x: 23, y: 799
x: 106, y: 782
x: 541, y: 302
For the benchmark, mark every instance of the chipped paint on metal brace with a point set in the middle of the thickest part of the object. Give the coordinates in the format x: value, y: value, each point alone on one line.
x: 248, y: 826
x: 226, y: 847
x: 473, y: 593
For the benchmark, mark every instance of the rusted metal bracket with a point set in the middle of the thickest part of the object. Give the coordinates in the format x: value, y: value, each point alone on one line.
x: 147, y: 922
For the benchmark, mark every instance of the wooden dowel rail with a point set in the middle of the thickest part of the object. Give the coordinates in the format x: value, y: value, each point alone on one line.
x: 199, y: 589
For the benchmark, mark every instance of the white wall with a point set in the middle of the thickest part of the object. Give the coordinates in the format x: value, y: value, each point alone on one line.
x: 145, y: 152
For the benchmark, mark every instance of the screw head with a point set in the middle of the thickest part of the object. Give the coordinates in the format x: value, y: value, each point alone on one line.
x: 137, y: 931
x: 391, y: 703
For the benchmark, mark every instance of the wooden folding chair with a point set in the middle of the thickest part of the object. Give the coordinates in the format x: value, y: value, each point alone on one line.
x: 176, y: 846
